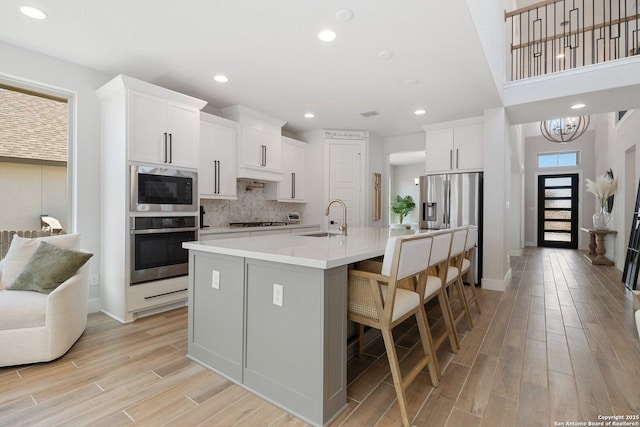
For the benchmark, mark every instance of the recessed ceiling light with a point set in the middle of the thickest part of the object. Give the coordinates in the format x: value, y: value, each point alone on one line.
x: 309, y: 115
x: 411, y: 81
x: 32, y: 12
x: 385, y: 54
x: 220, y: 78
x: 344, y: 15
x: 326, y: 35
x: 577, y: 106
x: 420, y: 112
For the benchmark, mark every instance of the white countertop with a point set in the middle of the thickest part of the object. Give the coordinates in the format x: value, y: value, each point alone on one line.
x: 227, y: 229
x: 306, y: 251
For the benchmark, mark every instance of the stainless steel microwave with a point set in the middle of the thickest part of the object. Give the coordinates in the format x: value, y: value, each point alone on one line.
x: 155, y: 189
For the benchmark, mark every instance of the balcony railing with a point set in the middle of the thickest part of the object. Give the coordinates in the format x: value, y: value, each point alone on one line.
x: 557, y: 35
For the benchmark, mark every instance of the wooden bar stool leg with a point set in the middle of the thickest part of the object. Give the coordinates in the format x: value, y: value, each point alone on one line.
x: 450, y: 323
x: 361, y: 341
x: 395, y: 374
x: 428, y: 347
x: 463, y: 300
x: 474, y: 291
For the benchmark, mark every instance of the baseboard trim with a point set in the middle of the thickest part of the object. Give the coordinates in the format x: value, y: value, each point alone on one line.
x: 497, y: 285
x: 93, y: 305
x: 515, y: 252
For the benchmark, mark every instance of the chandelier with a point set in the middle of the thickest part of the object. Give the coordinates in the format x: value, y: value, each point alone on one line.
x: 564, y: 129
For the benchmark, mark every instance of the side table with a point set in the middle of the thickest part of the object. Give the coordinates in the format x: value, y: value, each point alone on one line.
x: 596, y: 246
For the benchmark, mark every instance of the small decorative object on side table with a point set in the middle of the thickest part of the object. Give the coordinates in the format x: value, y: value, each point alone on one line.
x: 596, y: 246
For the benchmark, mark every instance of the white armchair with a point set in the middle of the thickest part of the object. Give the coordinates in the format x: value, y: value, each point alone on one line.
x: 38, y: 327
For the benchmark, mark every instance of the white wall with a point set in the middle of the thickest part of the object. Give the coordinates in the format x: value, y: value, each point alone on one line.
x: 497, y: 185
x: 42, y: 190
x: 516, y: 212
x: 23, y: 65
x: 625, y: 138
x: 537, y: 144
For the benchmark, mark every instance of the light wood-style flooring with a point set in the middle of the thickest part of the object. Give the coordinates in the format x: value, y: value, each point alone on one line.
x: 559, y: 345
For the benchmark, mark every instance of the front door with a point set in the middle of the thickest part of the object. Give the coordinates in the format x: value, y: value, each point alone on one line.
x: 558, y: 211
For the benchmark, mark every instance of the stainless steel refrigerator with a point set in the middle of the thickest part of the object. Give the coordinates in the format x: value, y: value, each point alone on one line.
x: 451, y: 200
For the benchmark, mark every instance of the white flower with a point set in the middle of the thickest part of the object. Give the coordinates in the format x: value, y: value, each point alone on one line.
x: 602, y: 188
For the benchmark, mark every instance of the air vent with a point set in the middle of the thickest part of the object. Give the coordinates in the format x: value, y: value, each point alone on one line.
x: 369, y: 113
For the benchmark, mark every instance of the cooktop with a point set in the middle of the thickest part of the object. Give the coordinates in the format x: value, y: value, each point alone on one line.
x: 256, y: 224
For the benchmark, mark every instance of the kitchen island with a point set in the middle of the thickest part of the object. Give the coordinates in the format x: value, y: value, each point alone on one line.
x: 270, y: 314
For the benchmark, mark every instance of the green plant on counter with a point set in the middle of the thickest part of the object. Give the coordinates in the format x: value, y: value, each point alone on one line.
x: 401, y: 206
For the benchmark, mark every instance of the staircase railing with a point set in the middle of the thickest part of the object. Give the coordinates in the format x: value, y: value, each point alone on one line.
x: 557, y: 35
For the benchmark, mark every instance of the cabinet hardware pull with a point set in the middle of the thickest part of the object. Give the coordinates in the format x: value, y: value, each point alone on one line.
x: 218, y: 178
x: 457, y: 159
x: 165, y: 147
x: 170, y: 148
x: 293, y: 185
x: 166, y: 293
x: 450, y: 159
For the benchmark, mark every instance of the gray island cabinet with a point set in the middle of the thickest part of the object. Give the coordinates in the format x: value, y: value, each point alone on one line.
x: 269, y: 313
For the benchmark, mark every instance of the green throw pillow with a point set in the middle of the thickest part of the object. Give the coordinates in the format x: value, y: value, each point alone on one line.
x: 48, y: 268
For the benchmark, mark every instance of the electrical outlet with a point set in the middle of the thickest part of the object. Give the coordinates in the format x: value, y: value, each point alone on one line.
x: 215, y: 279
x: 278, y: 294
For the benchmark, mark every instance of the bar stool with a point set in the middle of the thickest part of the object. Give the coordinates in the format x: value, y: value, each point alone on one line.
x: 469, y: 249
x: 453, y: 277
x: 438, y: 267
x: 376, y: 300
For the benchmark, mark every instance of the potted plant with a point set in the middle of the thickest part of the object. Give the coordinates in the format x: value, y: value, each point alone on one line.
x: 401, y: 206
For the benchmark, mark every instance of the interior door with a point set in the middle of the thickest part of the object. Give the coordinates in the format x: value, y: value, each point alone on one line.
x: 345, y: 163
x: 558, y: 211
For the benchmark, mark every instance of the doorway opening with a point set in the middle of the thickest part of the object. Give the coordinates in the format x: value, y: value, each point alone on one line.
x: 558, y: 211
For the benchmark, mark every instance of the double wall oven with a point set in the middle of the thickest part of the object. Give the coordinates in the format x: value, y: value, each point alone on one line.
x: 156, y: 241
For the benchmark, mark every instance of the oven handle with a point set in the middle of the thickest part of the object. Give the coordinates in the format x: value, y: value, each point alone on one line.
x: 163, y: 230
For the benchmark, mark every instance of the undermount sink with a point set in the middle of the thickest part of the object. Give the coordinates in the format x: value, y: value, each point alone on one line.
x: 321, y: 234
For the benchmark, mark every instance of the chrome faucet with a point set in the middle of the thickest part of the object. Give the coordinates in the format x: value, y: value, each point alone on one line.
x: 343, y: 226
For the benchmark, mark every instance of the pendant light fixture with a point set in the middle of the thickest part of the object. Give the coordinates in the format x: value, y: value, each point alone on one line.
x: 564, y: 129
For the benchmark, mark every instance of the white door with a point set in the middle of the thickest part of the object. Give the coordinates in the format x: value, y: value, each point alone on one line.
x: 345, y: 168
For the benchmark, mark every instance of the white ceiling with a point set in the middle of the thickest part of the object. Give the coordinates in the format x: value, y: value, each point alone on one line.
x: 273, y: 58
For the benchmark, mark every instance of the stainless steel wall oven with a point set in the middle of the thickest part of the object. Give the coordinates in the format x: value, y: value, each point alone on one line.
x: 156, y: 247
x: 163, y: 189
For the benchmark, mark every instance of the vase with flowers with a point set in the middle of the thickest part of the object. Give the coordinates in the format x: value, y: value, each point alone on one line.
x: 603, y: 187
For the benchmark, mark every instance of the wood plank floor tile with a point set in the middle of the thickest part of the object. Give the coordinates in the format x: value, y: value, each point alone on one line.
x: 559, y: 344
x: 475, y: 393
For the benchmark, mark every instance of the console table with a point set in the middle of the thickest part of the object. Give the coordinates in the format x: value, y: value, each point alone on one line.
x: 596, y: 246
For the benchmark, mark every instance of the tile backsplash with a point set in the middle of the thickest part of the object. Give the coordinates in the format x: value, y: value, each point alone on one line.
x: 250, y: 206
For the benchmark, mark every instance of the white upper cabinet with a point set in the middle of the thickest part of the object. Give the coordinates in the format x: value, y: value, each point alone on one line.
x: 292, y: 188
x: 217, y: 170
x: 455, y: 146
x: 162, y: 132
x: 259, y: 143
x: 159, y: 126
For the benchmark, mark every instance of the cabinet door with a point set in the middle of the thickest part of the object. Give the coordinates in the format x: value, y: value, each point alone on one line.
x: 217, y: 161
x: 206, y: 166
x: 225, y: 142
x: 439, y: 150
x: 216, y: 305
x: 252, y: 152
x: 296, y: 158
x: 183, y: 125
x: 468, y: 147
x: 146, y: 121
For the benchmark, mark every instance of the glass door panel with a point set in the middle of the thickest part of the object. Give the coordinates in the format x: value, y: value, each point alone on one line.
x: 558, y: 211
